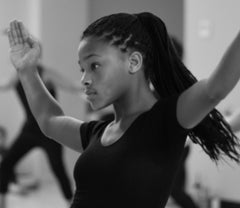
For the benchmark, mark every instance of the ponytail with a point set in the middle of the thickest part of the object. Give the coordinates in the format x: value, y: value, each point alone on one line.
x: 170, y: 76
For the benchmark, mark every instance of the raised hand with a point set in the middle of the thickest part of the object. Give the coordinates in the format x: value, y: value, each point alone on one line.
x: 24, y: 51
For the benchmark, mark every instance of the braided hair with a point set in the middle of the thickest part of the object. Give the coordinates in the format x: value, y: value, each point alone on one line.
x: 163, y: 67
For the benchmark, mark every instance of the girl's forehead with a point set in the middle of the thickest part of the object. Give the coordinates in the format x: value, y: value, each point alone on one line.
x: 97, y: 46
x: 92, y: 44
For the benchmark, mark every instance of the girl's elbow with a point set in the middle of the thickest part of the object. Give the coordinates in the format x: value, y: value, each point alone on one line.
x: 217, y: 95
x: 43, y: 125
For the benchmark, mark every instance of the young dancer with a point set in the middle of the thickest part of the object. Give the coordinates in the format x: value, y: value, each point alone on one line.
x: 133, y: 160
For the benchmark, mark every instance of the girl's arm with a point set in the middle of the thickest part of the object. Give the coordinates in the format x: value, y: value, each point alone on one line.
x: 24, y: 55
x: 197, y: 101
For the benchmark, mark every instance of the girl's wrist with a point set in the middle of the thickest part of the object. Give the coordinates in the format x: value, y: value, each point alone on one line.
x: 28, y: 71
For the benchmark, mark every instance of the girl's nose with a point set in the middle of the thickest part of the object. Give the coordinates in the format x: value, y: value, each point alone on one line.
x: 86, y: 80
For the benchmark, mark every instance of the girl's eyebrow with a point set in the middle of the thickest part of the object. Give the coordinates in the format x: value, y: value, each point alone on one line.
x: 89, y: 56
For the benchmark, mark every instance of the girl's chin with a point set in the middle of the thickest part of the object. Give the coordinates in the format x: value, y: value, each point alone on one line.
x: 97, y: 106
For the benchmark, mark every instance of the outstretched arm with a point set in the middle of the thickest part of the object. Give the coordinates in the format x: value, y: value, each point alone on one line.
x: 197, y: 101
x: 24, y: 55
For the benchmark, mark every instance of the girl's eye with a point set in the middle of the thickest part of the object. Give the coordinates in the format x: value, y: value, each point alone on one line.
x: 82, y: 70
x: 94, y: 66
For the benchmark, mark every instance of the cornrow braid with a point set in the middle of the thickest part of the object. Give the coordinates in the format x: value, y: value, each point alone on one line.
x: 163, y: 67
x: 122, y: 30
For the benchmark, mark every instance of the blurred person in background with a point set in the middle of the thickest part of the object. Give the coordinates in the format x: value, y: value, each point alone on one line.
x: 3, y: 141
x: 31, y: 136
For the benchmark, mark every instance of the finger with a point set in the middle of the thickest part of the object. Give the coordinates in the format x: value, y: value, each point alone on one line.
x: 16, y: 32
x: 19, y: 32
x: 10, y: 38
x: 33, y: 42
x: 24, y: 32
x: 12, y: 34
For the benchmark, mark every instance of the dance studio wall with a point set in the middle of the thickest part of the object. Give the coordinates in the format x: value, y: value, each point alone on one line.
x: 170, y: 11
x: 210, y: 26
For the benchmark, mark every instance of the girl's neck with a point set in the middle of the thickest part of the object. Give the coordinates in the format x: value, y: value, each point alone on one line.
x: 134, y: 106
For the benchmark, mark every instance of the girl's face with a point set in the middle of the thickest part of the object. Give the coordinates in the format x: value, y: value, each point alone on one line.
x: 105, y: 72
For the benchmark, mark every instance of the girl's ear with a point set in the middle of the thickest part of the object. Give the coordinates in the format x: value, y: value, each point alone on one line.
x: 135, y: 62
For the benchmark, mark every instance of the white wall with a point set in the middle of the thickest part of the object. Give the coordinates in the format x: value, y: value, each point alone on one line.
x: 210, y: 26
x: 171, y: 11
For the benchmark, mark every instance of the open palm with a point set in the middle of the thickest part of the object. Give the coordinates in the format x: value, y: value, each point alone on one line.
x: 24, y: 51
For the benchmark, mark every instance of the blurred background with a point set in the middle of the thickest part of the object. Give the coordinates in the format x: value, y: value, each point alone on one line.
x: 205, y: 28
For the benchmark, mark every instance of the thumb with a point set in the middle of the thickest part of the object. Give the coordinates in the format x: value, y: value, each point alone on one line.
x: 33, y: 43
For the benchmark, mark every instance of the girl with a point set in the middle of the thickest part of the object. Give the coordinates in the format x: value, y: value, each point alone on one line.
x: 131, y: 161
